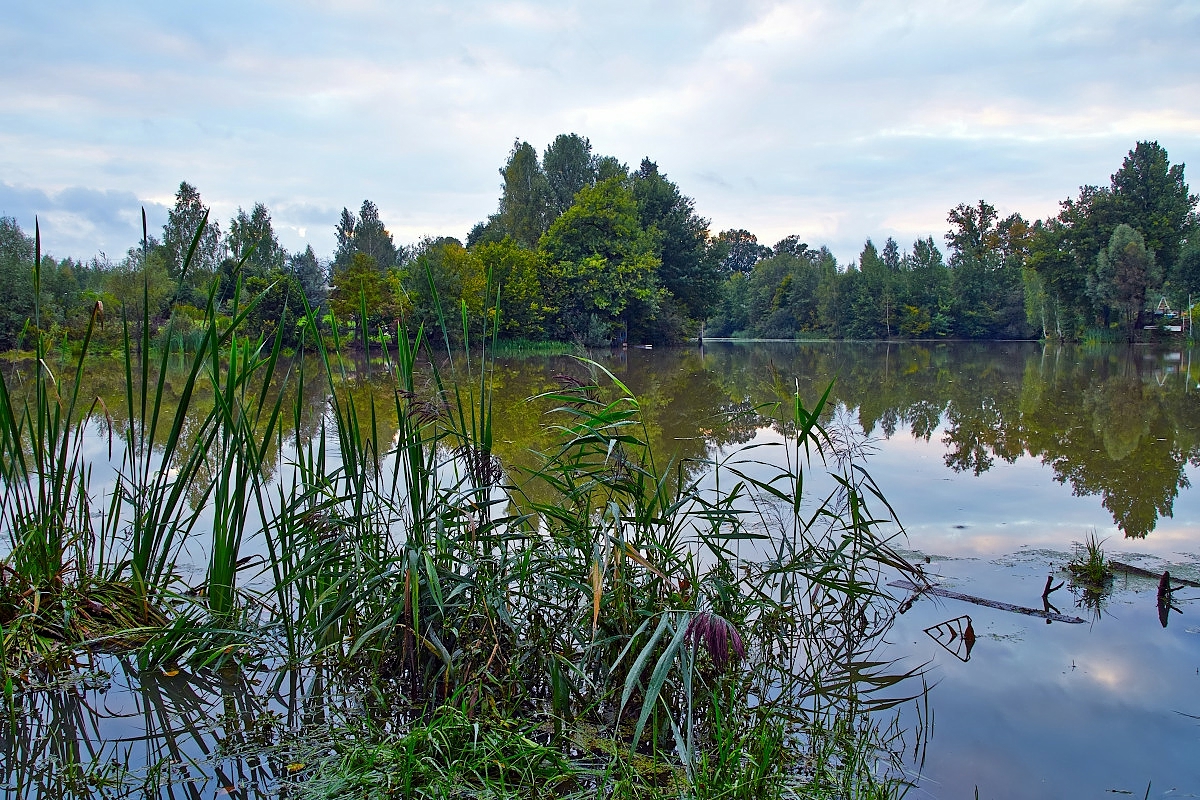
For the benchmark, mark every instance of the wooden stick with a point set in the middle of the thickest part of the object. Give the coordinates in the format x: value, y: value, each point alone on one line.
x: 1145, y: 573
x: 980, y: 601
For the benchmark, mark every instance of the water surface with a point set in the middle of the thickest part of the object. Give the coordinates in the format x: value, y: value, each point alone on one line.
x: 998, y: 460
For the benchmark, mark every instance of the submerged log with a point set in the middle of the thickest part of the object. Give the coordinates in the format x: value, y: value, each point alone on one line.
x: 1145, y: 573
x: 982, y: 601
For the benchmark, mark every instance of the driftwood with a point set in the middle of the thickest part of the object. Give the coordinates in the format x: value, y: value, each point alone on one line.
x: 1145, y: 573
x: 980, y: 601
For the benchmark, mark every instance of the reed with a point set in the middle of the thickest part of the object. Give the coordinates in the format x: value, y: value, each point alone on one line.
x: 717, y: 633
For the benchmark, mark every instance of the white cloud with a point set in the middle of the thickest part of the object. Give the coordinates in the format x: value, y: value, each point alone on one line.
x: 837, y: 121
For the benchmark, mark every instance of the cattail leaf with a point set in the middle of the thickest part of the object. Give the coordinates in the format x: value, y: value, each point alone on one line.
x: 639, y: 663
x: 657, y: 678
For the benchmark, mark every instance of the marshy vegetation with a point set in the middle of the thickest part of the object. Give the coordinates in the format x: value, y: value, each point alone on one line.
x: 403, y: 614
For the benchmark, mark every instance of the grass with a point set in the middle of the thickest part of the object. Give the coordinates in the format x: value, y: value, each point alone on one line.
x: 680, y: 639
x: 1090, y: 566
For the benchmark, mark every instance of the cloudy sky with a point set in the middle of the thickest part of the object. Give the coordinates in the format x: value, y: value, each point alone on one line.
x: 834, y: 120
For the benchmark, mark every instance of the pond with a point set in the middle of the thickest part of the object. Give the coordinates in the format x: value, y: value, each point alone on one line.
x: 999, y: 460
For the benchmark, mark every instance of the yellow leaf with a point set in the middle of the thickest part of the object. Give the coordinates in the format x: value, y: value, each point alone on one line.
x: 597, y: 586
x: 170, y: 673
x: 296, y: 767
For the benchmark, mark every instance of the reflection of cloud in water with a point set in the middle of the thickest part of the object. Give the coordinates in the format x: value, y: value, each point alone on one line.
x: 1047, y: 711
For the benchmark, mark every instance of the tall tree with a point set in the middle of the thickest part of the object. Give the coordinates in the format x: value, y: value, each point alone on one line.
x: 364, y: 234
x: 928, y: 292
x: 741, y: 250
x: 891, y: 255
x: 16, y: 280
x: 182, y: 223
x: 1150, y: 194
x: 516, y: 274
x: 371, y: 238
x: 447, y: 274
x: 601, y: 264
x: 252, y: 238
x: 344, y: 237
x: 987, y: 253
x: 308, y: 271
x: 1125, y: 272
x: 360, y: 285
x: 692, y: 279
x: 569, y: 166
x: 524, y: 208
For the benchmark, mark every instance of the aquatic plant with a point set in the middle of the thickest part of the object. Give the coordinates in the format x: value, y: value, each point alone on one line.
x: 1090, y: 567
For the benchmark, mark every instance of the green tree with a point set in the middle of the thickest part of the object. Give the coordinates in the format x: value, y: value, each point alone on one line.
x: 367, y: 235
x: 738, y: 251
x: 927, y: 291
x: 16, y: 280
x: 872, y: 311
x: 307, y: 269
x: 182, y: 223
x: 691, y: 278
x: 516, y: 273
x: 733, y: 316
x: 251, y: 239
x: 1150, y: 195
x: 987, y: 254
x: 1125, y: 272
x: 602, y: 265
x: 524, y: 207
x: 569, y: 166
x: 361, y: 284
x: 458, y: 277
x: 141, y: 276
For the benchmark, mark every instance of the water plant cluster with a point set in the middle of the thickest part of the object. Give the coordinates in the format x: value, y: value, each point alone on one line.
x: 600, y: 625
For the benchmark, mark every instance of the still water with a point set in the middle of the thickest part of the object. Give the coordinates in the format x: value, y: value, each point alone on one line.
x: 999, y: 459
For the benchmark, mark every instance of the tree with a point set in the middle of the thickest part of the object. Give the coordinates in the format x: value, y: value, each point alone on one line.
x: 344, y: 237
x: 251, y: 240
x: 569, y: 166
x: 891, y: 255
x: 524, y: 212
x: 310, y: 274
x: 1125, y: 272
x: 692, y: 279
x: 1146, y: 193
x: 872, y: 306
x: 741, y: 251
x: 362, y: 285
x: 791, y: 245
x: 1186, y: 279
x: 601, y: 264
x: 987, y: 253
x: 16, y: 280
x: 974, y: 233
x: 367, y: 235
x: 1151, y: 196
x: 141, y: 275
x: 371, y: 238
x: 927, y: 298
x: 447, y: 274
x: 182, y: 223
x: 516, y: 274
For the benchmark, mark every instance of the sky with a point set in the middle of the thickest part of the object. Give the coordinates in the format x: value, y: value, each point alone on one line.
x: 836, y: 121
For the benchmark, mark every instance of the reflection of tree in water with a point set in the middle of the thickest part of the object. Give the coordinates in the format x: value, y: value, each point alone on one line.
x: 1121, y: 414
x: 1113, y: 422
x: 1112, y: 431
x: 1099, y: 419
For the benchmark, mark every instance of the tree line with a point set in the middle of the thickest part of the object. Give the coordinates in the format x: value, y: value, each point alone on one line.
x: 583, y: 249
